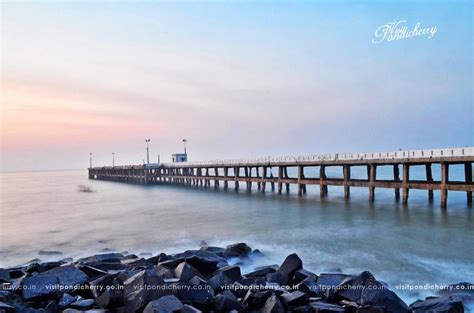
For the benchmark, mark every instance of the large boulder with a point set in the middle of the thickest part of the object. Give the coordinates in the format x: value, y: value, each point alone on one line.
x: 364, y: 289
x: 142, y: 288
x: 294, y: 299
x: 277, y: 278
x: 273, y: 305
x: 226, y: 301
x: 322, y: 307
x: 196, y: 292
x: 447, y: 304
x: 40, y: 287
x: 166, y: 304
x: 184, y: 272
x: 237, y: 250
x: 53, y: 282
x: 262, y: 271
x: 327, y: 284
x: 255, y: 299
x: 105, y: 257
x: 291, y: 264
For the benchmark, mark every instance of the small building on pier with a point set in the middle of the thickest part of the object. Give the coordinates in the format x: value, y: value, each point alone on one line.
x: 180, y: 157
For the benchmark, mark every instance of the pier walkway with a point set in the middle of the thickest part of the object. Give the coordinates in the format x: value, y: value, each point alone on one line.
x: 274, y: 172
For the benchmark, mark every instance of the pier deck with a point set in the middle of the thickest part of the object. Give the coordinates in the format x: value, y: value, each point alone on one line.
x: 273, y: 171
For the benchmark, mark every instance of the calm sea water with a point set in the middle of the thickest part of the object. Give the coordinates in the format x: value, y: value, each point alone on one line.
x: 416, y: 244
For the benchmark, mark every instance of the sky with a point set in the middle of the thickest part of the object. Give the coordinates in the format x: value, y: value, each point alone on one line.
x: 235, y: 78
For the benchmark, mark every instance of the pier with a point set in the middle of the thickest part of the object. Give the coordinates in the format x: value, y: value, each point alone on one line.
x: 272, y: 173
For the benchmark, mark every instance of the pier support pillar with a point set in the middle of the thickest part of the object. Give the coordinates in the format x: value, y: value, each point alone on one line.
x: 429, y: 179
x: 272, y: 184
x: 257, y: 171
x: 406, y: 179
x: 468, y: 178
x: 216, y: 178
x: 287, y: 185
x: 347, y: 177
x: 300, y: 177
x: 323, y: 188
x: 264, y: 177
x: 280, y: 176
x: 396, y: 178
x: 247, y: 180
x: 236, y: 177
x: 444, y: 181
x: 372, y: 179
x: 226, y: 175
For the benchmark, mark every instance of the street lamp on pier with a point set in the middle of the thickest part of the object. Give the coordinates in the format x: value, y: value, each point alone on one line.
x: 184, y: 141
x: 90, y: 159
x: 113, y: 159
x: 147, y: 151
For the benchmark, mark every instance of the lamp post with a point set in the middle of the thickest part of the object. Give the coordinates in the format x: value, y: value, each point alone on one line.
x: 184, y: 141
x: 147, y: 151
x: 113, y: 159
x: 90, y: 159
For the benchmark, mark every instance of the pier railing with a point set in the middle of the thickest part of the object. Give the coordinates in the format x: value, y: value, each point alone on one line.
x: 394, y: 155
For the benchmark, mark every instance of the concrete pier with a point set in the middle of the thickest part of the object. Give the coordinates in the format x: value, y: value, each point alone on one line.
x: 260, y: 171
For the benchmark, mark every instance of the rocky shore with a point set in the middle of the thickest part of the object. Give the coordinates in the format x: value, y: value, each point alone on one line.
x: 203, y: 280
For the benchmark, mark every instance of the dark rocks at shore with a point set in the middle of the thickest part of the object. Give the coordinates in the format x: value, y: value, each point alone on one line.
x: 204, y: 280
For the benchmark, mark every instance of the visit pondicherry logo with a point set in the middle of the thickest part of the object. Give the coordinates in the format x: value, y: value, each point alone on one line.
x: 399, y: 30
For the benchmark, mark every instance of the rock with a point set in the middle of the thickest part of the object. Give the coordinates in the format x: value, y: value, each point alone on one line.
x: 322, y: 307
x: 463, y: 291
x: 83, y: 304
x: 256, y: 255
x: 219, y: 280
x: 68, y: 275
x: 102, y: 283
x: 212, y: 249
x: 273, y: 305
x: 87, y: 311
x: 66, y: 300
x: 327, y: 284
x: 447, y: 304
x: 42, y: 267
x: 189, y: 309
x: 166, y: 304
x: 50, y: 253
x: 369, y: 309
x: 262, y: 271
x: 185, y: 272
x: 225, y: 276
x: 164, y: 272
x: 295, y: 298
x: 278, y: 278
x: 226, y: 301
x: 4, y: 275
x: 196, y: 292
x: 17, y: 272
x: 206, y: 258
x: 308, y: 286
x: 233, y: 272
x: 108, y: 267
x: 237, y: 250
x: 374, y: 293
x: 104, y: 257
x: 301, y: 275
x: 38, y: 287
x: 142, y: 288
x: 291, y: 264
x: 5, y: 307
x: 109, y: 299
x: 256, y: 299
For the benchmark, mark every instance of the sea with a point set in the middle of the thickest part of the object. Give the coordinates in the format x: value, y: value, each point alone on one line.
x: 415, y: 248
